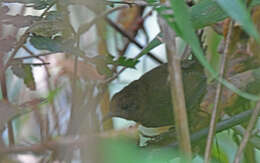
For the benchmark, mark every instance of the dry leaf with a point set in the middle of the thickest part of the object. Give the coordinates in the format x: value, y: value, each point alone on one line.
x: 85, y: 70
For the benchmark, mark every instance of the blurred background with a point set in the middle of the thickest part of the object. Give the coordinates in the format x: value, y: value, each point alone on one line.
x: 60, y: 66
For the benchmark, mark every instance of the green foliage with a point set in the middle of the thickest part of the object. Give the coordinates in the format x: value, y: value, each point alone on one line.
x: 126, y: 62
x: 184, y: 28
x: 241, y: 15
x: 24, y: 72
x: 219, y: 155
x: 45, y: 43
x: 53, y: 15
x: 52, y: 94
x: 123, y: 150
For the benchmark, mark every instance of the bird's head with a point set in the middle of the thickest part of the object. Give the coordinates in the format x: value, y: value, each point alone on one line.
x: 124, y: 104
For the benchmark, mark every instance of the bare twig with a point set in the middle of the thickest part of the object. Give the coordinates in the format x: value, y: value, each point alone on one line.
x: 178, y: 98
x: 5, y: 97
x: 125, y: 34
x: 216, y: 110
x: 85, y: 27
x: 22, y: 40
x: 132, y: 3
x: 247, y: 133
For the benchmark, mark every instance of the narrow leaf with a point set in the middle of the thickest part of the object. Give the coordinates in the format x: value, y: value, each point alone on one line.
x: 236, y: 9
x: 182, y: 18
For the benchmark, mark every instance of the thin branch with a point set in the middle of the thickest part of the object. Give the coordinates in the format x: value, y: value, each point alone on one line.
x: 177, y: 91
x: 247, y: 133
x: 125, y: 34
x: 71, y: 142
x: 22, y: 40
x: 221, y: 126
x: 35, y: 56
x: 216, y: 110
x: 132, y: 3
x: 5, y: 97
x: 85, y: 27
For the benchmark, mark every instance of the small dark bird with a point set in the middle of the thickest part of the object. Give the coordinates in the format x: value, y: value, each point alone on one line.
x: 148, y: 99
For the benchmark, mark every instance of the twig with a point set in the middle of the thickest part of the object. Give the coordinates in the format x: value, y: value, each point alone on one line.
x: 35, y: 56
x: 85, y: 27
x: 132, y: 3
x: 254, y: 139
x: 5, y: 97
x: 177, y: 92
x: 125, y: 34
x: 22, y: 40
x: 71, y: 142
x: 221, y: 126
x: 247, y: 133
x: 216, y: 110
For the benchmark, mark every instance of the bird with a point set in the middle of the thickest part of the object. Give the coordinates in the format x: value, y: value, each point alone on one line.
x: 148, y: 100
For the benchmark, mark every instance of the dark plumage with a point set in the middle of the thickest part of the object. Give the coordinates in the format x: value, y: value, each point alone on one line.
x: 148, y: 99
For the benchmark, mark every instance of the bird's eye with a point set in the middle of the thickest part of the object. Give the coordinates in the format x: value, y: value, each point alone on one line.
x: 128, y: 106
x: 125, y: 106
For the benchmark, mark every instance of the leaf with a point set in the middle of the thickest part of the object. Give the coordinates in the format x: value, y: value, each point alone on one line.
x: 254, y: 3
x: 48, y: 28
x: 219, y: 155
x: 24, y: 72
x: 182, y: 17
x: 126, y: 62
x: 7, y: 111
x: 206, y: 12
x: 154, y: 43
x: 236, y: 9
x: 53, y: 16
x: 52, y: 94
x: 44, y: 43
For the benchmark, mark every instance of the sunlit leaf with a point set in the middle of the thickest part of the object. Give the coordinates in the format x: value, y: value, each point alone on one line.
x: 126, y: 62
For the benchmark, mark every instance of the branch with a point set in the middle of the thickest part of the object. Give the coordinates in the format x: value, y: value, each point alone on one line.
x: 217, y: 110
x: 177, y: 92
x: 125, y: 34
x: 221, y: 126
x: 247, y: 133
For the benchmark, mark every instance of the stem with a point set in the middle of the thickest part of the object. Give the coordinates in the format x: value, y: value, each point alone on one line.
x: 216, y: 110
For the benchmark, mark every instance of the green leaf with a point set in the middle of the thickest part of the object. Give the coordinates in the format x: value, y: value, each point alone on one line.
x: 45, y: 43
x: 53, y: 16
x: 126, y: 62
x: 206, y: 12
x: 236, y: 9
x: 24, y: 72
x: 254, y: 3
x: 182, y: 17
x: 219, y: 155
x: 52, y: 94
x: 154, y: 43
